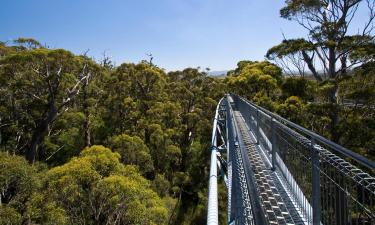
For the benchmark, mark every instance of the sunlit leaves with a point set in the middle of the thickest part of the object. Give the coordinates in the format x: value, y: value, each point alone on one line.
x: 290, y: 46
x: 17, y: 179
x: 251, y: 78
x: 133, y: 151
x: 97, y: 183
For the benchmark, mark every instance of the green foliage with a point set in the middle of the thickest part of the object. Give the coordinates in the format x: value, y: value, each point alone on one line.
x: 20, y: 183
x: 133, y: 151
x: 161, y: 185
x: 298, y: 86
x: 290, y: 46
x: 9, y: 216
x: 293, y: 109
x: 96, y: 187
x: 156, y: 123
x: 28, y: 43
x: 17, y: 180
x: 127, y: 201
x: 360, y: 86
x: 363, y: 47
x: 41, y: 212
x: 295, y: 7
x: 38, y: 85
x: 251, y: 78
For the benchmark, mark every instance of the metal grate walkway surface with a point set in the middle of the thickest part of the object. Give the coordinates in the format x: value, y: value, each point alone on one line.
x: 277, y: 204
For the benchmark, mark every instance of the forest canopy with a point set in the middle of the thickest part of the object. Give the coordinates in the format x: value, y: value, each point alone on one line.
x: 58, y: 111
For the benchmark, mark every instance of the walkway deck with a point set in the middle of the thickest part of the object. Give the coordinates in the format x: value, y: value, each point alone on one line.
x: 277, y: 203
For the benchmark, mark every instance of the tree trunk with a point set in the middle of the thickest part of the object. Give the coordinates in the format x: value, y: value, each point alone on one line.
x: 334, y: 115
x: 333, y: 94
x: 87, y: 116
x: 87, y: 131
x: 40, y: 132
x: 311, y: 66
x: 343, y: 66
x: 332, y: 63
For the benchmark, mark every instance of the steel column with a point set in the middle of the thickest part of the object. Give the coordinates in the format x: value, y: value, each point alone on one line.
x: 273, y: 142
x: 257, y: 132
x: 315, y: 184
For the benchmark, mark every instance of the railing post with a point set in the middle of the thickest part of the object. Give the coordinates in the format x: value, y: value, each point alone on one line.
x: 257, y: 132
x: 273, y: 143
x: 315, y: 184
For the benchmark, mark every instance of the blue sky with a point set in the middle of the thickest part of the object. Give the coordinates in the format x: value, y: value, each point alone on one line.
x: 179, y: 33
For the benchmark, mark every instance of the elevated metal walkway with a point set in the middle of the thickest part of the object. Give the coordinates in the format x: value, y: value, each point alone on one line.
x: 277, y: 172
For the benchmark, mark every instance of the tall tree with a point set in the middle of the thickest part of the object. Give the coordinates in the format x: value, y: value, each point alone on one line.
x: 330, y: 47
x: 41, y: 84
x: 329, y: 43
x: 251, y: 79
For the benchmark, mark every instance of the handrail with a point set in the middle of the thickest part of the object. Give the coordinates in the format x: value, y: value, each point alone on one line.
x: 212, y: 211
x: 338, y: 148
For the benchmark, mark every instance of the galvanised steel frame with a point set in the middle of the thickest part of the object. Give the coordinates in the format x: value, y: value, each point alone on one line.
x: 329, y: 183
x: 236, y: 175
x: 212, y: 211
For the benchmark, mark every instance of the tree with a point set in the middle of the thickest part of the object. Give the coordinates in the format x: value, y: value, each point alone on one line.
x: 292, y: 109
x: 133, y: 152
x: 329, y: 41
x: 20, y: 186
x: 42, y: 82
x: 158, y: 124
x: 9, y: 216
x: 298, y: 86
x: 329, y: 46
x: 28, y: 43
x: 293, y: 53
x: 197, y: 95
x: 132, y: 90
x: 251, y: 78
x: 96, y: 188
x: 357, y: 128
x: 17, y: 180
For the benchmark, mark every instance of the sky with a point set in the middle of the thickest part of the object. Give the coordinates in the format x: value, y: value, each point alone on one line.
x: 178, y: 33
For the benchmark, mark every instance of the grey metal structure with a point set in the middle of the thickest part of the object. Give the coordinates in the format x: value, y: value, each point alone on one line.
x: 278, y: 172
x: 212, y: 215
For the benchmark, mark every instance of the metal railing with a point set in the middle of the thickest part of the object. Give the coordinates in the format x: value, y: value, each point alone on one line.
x: 212, y: 211
x: 328, y: 183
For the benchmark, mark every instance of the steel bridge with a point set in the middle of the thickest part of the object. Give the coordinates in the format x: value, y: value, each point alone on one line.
x: 277, y: 172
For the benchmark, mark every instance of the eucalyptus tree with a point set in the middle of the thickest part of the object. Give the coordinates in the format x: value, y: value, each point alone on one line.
x: 255, y: 80
x: 333, y: 45
x: 95, y: 188
x: 330, y: 43
x: 39, y: 85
